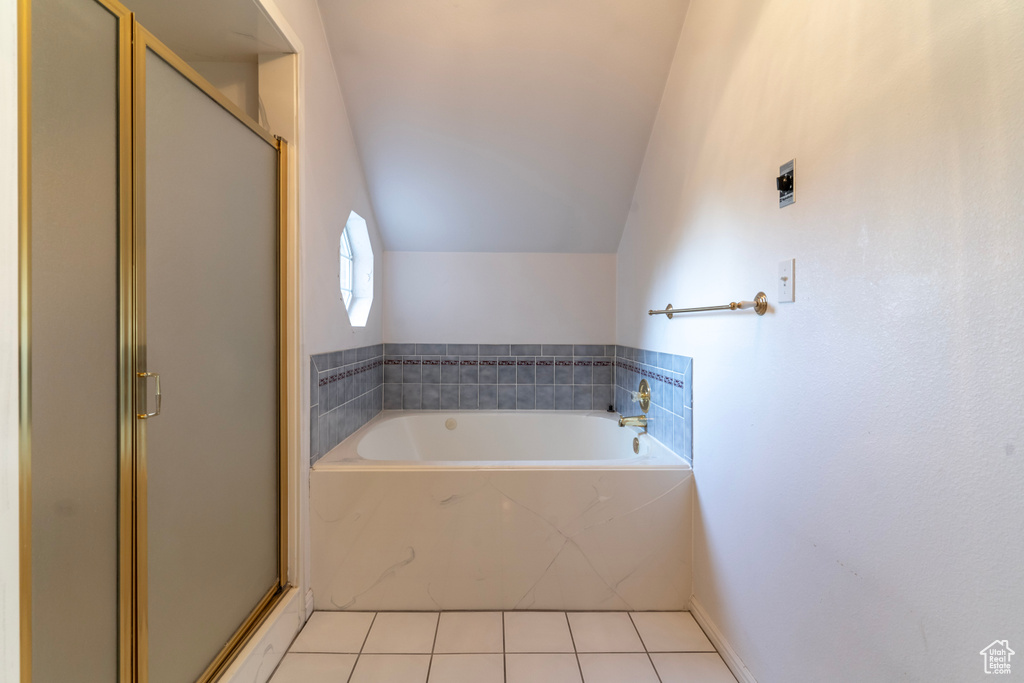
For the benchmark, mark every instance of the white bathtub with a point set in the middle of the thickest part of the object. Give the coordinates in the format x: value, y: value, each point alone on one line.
x: 498, y: 439
x: 507, y: 510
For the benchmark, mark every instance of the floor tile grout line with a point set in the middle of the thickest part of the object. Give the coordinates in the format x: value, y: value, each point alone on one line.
x: 433, y: 646
x: 504, y: 645
x: 646, y: 651
x: 540, y: 652
x: 715, y: 650
x: 579, y: 666
x: 360, y: 653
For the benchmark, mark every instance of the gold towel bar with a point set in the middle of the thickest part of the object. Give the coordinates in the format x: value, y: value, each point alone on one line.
x: 759, y: 304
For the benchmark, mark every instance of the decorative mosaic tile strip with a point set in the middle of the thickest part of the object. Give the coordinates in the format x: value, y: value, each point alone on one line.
x: 351, y: 372
x: 648, y: 372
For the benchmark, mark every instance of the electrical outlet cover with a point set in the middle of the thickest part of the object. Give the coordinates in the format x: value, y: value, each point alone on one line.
x: 787, y: 271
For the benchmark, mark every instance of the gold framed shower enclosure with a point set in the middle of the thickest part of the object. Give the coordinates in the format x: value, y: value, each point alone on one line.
x: 133, y: 473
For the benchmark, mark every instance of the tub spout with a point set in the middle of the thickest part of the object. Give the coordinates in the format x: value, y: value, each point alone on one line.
x: 634, y: 421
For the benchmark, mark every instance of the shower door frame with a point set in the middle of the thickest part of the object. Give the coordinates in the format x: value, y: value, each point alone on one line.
x: 133, y: 41
x: 126, y: 399
x: 143, y: 41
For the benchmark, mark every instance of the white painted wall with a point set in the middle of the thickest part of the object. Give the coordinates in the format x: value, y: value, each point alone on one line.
x: 488, y: 298
x: 859, y: 454
x: 239, y: 81
x: 331, y: 184
x: 9, y: 508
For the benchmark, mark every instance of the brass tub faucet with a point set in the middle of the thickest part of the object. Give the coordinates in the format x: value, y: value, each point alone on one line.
x: 644, y: 397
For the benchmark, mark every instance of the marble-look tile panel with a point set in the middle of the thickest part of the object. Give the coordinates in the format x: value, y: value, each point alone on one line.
x: 584, y: 539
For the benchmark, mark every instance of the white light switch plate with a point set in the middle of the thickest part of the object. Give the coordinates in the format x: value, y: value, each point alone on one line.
x: 787, y: 271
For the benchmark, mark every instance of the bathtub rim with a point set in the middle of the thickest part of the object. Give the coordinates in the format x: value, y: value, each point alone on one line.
x: 661, y: 458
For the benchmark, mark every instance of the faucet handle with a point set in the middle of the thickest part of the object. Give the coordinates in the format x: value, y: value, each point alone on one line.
x: 643, y: 396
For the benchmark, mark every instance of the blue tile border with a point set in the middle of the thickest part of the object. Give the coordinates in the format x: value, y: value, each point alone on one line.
x: 346, y: 391
x: 349, y: 387
x: 498, y: 376
x: 670, y: 419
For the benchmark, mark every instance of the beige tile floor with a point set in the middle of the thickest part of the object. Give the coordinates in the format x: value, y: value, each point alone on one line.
x: 502, y: 647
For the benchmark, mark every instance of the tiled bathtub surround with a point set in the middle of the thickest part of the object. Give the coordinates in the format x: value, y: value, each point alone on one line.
x: 498, y: 376
x: 670, y: 418
x: 346, y: 391
x: 580, y: 538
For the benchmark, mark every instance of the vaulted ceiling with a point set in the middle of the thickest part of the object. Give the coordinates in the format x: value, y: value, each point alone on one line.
x: 502, y: 125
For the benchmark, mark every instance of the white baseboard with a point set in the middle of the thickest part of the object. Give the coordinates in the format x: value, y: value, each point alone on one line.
x: 732, y: 660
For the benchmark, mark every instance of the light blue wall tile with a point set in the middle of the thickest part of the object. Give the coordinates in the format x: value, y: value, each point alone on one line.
x: 323, y: 390
x: 468, y: 371
x: 494, y: 350
x: 431, y: 396
x: 506, y: 397
x: 506, y: 370
x: 582, y: 397
x: 469, y: 397
x: 450, y: 370
x: 589, y: 350
x: 556, y: 350
x: 314, y: 435
x: 431, y: 370
x: 449, y: 397
x: 392, y: 374
x: 546, y: 397
x: 526, y: 373
x: 431, y: 349
x: 314, y: 388
x: 399, y: 349
x: 526, y: 349
x: 526, y: 397
x: 563, y: 397
x: 412, y: 397
x: 545, y: 371
x: 411, y: 371
x: 489, y: 373
x: 488, y: 397
x: 563, y: 372
x: 393, y: 397
x: 463, y: 350
x: 582, y: 373
x: 324, y: 436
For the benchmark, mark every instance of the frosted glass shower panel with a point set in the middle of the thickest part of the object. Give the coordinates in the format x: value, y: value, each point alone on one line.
x: 211, y: 239
x: 74, y: 341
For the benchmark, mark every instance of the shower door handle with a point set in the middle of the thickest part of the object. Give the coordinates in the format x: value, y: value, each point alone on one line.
x: 156, y: 376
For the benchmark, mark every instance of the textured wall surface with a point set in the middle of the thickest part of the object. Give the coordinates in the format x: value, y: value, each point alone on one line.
x: 331, y: 185
x: 857, y: 453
